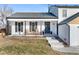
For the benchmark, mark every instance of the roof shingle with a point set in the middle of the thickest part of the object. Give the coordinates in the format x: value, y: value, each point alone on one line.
x: 33, y: 15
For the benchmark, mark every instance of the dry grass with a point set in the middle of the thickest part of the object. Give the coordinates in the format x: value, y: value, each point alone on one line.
x: 15, y: 46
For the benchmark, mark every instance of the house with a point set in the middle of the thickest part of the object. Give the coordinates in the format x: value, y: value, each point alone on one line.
x: 39, y: 23
x: 61, y: 21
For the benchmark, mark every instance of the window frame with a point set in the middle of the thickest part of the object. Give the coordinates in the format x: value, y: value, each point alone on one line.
x: 18, y: 26
x: 33, y: 26
x: 64, y: 12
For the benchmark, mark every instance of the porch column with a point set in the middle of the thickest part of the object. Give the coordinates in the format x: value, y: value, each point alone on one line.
x: 38, y: 26
x: 41, y: 27
x: 13, y: 28
x: 27, y: 27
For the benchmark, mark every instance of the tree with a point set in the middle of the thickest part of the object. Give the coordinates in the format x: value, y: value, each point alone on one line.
x: 5, y: 11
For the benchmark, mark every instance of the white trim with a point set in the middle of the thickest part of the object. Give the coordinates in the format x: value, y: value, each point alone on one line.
x: 32, y: 20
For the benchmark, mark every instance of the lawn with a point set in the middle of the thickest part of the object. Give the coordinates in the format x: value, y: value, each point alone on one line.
x: 15, y: 46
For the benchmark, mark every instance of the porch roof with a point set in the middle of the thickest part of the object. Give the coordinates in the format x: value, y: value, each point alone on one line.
x: 36, y: 15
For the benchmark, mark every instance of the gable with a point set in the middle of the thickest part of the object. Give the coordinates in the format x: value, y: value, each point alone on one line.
x: 71, y: 18
x: 74, y: 21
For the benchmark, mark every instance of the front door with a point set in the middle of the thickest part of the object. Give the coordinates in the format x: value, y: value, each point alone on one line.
x: 47, y: 27
x: 19, y: 28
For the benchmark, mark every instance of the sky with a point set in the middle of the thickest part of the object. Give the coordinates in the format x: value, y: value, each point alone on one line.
x: 28, y: 7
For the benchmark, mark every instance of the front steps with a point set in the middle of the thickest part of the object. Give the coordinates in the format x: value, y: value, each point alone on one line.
x: 59, y: 46
x: 55, y: 44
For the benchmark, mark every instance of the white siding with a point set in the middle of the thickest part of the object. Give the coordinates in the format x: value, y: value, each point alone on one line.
x: 53, y: 27
x: 63, y: 32
x: 13, y: 28
x: 74, y: 34
x: 9, y: 28
x: 70, y: 12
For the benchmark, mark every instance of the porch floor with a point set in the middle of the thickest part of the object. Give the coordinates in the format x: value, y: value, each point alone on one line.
x: 26, y: 37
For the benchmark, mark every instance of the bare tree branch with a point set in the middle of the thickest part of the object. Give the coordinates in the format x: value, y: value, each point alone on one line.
x: 5, y: 11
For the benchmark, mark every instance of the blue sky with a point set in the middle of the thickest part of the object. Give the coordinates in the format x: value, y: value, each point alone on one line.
x: 31, y: 7
x: 28, y: 7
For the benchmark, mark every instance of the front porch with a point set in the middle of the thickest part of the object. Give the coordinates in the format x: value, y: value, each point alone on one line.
x: 31, y: 28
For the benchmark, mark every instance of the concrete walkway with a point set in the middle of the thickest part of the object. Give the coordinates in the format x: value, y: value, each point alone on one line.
x: 58, y: 46
x: 69, y: 49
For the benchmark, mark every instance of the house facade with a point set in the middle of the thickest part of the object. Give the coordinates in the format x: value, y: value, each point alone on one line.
x: 58, y: 21
x: 32, y: 24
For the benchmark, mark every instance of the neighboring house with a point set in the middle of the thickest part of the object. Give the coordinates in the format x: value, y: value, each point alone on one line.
x: 61, y: 21
x: 69, y: 29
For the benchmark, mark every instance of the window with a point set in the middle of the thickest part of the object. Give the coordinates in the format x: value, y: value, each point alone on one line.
x: 33, y: 26
x: 15, y: 26
x: 64, y: 13
x: 19, y: 26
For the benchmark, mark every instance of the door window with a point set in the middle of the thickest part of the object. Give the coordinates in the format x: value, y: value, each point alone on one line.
x: 47, y: 27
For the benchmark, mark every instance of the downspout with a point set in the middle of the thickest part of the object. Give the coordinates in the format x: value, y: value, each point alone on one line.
x: 57, y: 28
